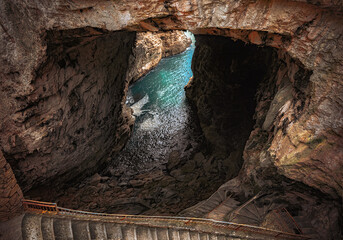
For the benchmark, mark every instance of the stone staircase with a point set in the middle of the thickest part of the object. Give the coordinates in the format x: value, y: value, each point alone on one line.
x: 215, y: 207
x: 307, y: 228
x: 225, y: 208
x: 47, y: 227
x: 48, y: 221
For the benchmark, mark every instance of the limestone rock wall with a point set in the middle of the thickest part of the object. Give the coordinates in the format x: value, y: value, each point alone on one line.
x: 10, y: 192
x: 151, y: 47
x: 75, y: 115
x: 147, y: 54
x: 174, y: 42
x: 225, y: 81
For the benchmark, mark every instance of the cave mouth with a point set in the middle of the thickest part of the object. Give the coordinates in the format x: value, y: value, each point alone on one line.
x: 229, y: 78
x: 164, y: 120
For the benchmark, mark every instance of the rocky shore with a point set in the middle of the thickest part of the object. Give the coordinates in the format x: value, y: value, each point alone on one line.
x: 151, y: 47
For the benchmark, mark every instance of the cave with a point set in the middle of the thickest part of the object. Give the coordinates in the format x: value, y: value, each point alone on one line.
x: 264, y: 133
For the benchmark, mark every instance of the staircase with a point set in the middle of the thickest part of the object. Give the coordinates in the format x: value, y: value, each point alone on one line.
x: 51, y: 222
x: 306, y: 227
x: 225, y: 208
x: 42, y: 227
x: 215, y: 207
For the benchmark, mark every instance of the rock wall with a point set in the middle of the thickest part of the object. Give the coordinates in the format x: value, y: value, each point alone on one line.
x: 10, y: 192
x: 174, y: 42
x: 246, y: 98
x: 75, y: 115
x: 310, y: 33
x: 151, y: 47
x: 223, y: 88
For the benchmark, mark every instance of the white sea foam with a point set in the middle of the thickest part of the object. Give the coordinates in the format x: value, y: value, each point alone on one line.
x: 150, y: 123
x: 137, y: 107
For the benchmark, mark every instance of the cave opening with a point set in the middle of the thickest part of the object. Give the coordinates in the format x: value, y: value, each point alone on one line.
x: 229, y: 76
x: 237, y: 101
x: 85, y: 81
x: 164, y: 120
x: 265, y: 103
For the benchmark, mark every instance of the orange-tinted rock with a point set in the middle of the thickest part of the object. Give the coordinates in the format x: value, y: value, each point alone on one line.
x: 255, y: 38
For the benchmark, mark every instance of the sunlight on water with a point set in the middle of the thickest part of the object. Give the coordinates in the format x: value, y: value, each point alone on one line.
x: 162, y: 114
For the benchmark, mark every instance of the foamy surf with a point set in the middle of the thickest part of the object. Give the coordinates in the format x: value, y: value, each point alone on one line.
x: 137, y: 107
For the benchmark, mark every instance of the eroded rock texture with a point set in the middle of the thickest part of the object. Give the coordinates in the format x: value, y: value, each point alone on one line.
x: 74, y: 116
x: 303, y: 138
x: 226, y: 76
x: 10, y: 192
x: 151, y: 47
x: 247, y: 98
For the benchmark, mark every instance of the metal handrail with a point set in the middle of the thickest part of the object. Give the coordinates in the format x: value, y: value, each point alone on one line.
x: 40, y: 208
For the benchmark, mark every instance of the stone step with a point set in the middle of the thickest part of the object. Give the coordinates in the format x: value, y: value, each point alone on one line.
x: 173, y: 234
x: 154, y: 234
x: 205, y: 207
x: 223, y: 209
x: 194, y: 235
x: 114, y: 231
x: 143, y: 233
x: 213, y: 237
x: 129, y: 232
x: 251, y: 211
x: 243, y: 219
x: 184, y: 235
x: 48, y: 228
x: 162, y: 233
x: 31, y: 227
x: 221, y: 237
x: 63, y: 229
x: 97, y: 231
x: 81, y: 230
x: 204, y: 236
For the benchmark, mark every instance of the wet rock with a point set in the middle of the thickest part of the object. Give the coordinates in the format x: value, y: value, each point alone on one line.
x: 95, y: 178
x: 188, y: 167
x: 178, y: 174
x: 136, y: 183
x: 166, y: 180
x: 168, y: 193
x: 112, y: 183
x: 174, y: 160
x: 199, y: 159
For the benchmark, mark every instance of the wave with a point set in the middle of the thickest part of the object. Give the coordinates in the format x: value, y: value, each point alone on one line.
x: 137, y: 107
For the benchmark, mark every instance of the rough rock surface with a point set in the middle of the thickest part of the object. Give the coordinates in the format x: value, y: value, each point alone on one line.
x: 74, y: 116
x: 151, y: 47
x: 233, y: 84
x: 223, y: 88
x: 308, y: 150
x: 10, y: 192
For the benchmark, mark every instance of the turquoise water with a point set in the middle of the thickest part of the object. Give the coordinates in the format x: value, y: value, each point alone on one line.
x: 164, y: 121
x: 162, y: 88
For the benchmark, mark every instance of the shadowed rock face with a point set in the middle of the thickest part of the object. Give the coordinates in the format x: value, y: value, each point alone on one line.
x: 226, y: 77
x: 303, y: 138
x: 10, y: 192
x: 76, y: 111
x: 76, y: 108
